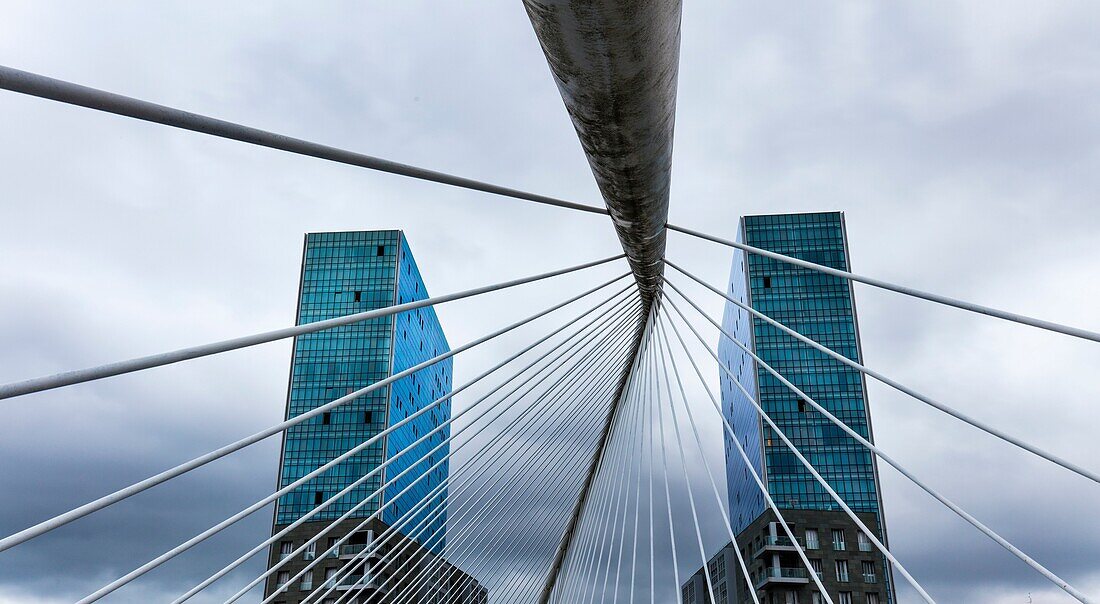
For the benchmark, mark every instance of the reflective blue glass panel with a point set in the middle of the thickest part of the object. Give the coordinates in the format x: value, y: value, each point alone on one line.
x: 820, y: 307
x: 418, y: 337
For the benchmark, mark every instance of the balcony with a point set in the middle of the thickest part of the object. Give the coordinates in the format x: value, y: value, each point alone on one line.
x: 786, y: 576
x: 351, y: 550
x: 777, y: 544
x: 350, y: 582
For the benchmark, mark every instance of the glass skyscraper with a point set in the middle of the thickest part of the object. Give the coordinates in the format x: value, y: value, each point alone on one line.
x: 822, y: 308
x: 345, y: 273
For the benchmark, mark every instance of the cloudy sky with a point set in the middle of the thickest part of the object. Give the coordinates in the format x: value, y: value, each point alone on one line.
x: 959, y: 137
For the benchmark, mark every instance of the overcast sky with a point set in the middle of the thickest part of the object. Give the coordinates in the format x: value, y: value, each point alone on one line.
x: 960, y: 138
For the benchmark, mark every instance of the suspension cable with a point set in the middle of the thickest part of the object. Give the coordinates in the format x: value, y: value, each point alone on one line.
x: 885, y: 457
x: 589, y: 553
x: 702, y: 455
x: 74, y: 94
x: 628, y: 428
x: 324, y: 505
x: 893, y: 384
x: 383, y: 539
x: 340, y: 541
x: 798, y: 454
x: 119, y: 495
x: 661, y: 347
x: 510, y: 487
x: 41, y: 86
x: 69, y: 378
x: 767, y: 496
x: 901, y: 289
x: 309, y: 476
x: 568, y: 381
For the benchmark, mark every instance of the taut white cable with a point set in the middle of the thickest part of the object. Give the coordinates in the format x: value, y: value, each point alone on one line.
x: 563, y: 488
x: 629, y: 428
x: 706, y: 466
x: 798, y: 454
x: 119, y: 495
x: 69, y: 378
x: 569, y: 564
x: 339, y: 541
x: 871, y: 446
x: 664, y: 472
x: 637, y: 501
x: 347, y: 489
x: 485, y: 509
x: 41, y: 86
x: 637, y: 480
x: 272, y: 497
x: 1093, y: 476
x: 509, y: 483
x: 661, y: 347
x: 650, y: 464
x: 583, y: 551
x: 901, y: 289
x: 767, y: 496
x: 511, y: 461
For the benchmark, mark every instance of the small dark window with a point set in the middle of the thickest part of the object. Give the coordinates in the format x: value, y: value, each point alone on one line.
x: 358, y: 296
x: 326, y: 418
x: 368, y: 417
x: 801, y: 406
x: 381, y: 250
x: 767, y: 281
x: 318, y: 497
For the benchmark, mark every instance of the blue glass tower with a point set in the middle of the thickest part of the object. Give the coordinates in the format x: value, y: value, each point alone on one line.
x: 345, y: 273
x: 822, y: 308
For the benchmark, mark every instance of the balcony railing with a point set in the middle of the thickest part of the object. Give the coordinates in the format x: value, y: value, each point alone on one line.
x: 782, y: 575
x: 351, y: 582
x: 785, y: 573
x: 773, y: 542
x: 349, y: 550
x: 781, y: 541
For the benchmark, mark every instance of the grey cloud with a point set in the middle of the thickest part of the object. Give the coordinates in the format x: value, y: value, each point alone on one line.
x: 958, y: 137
